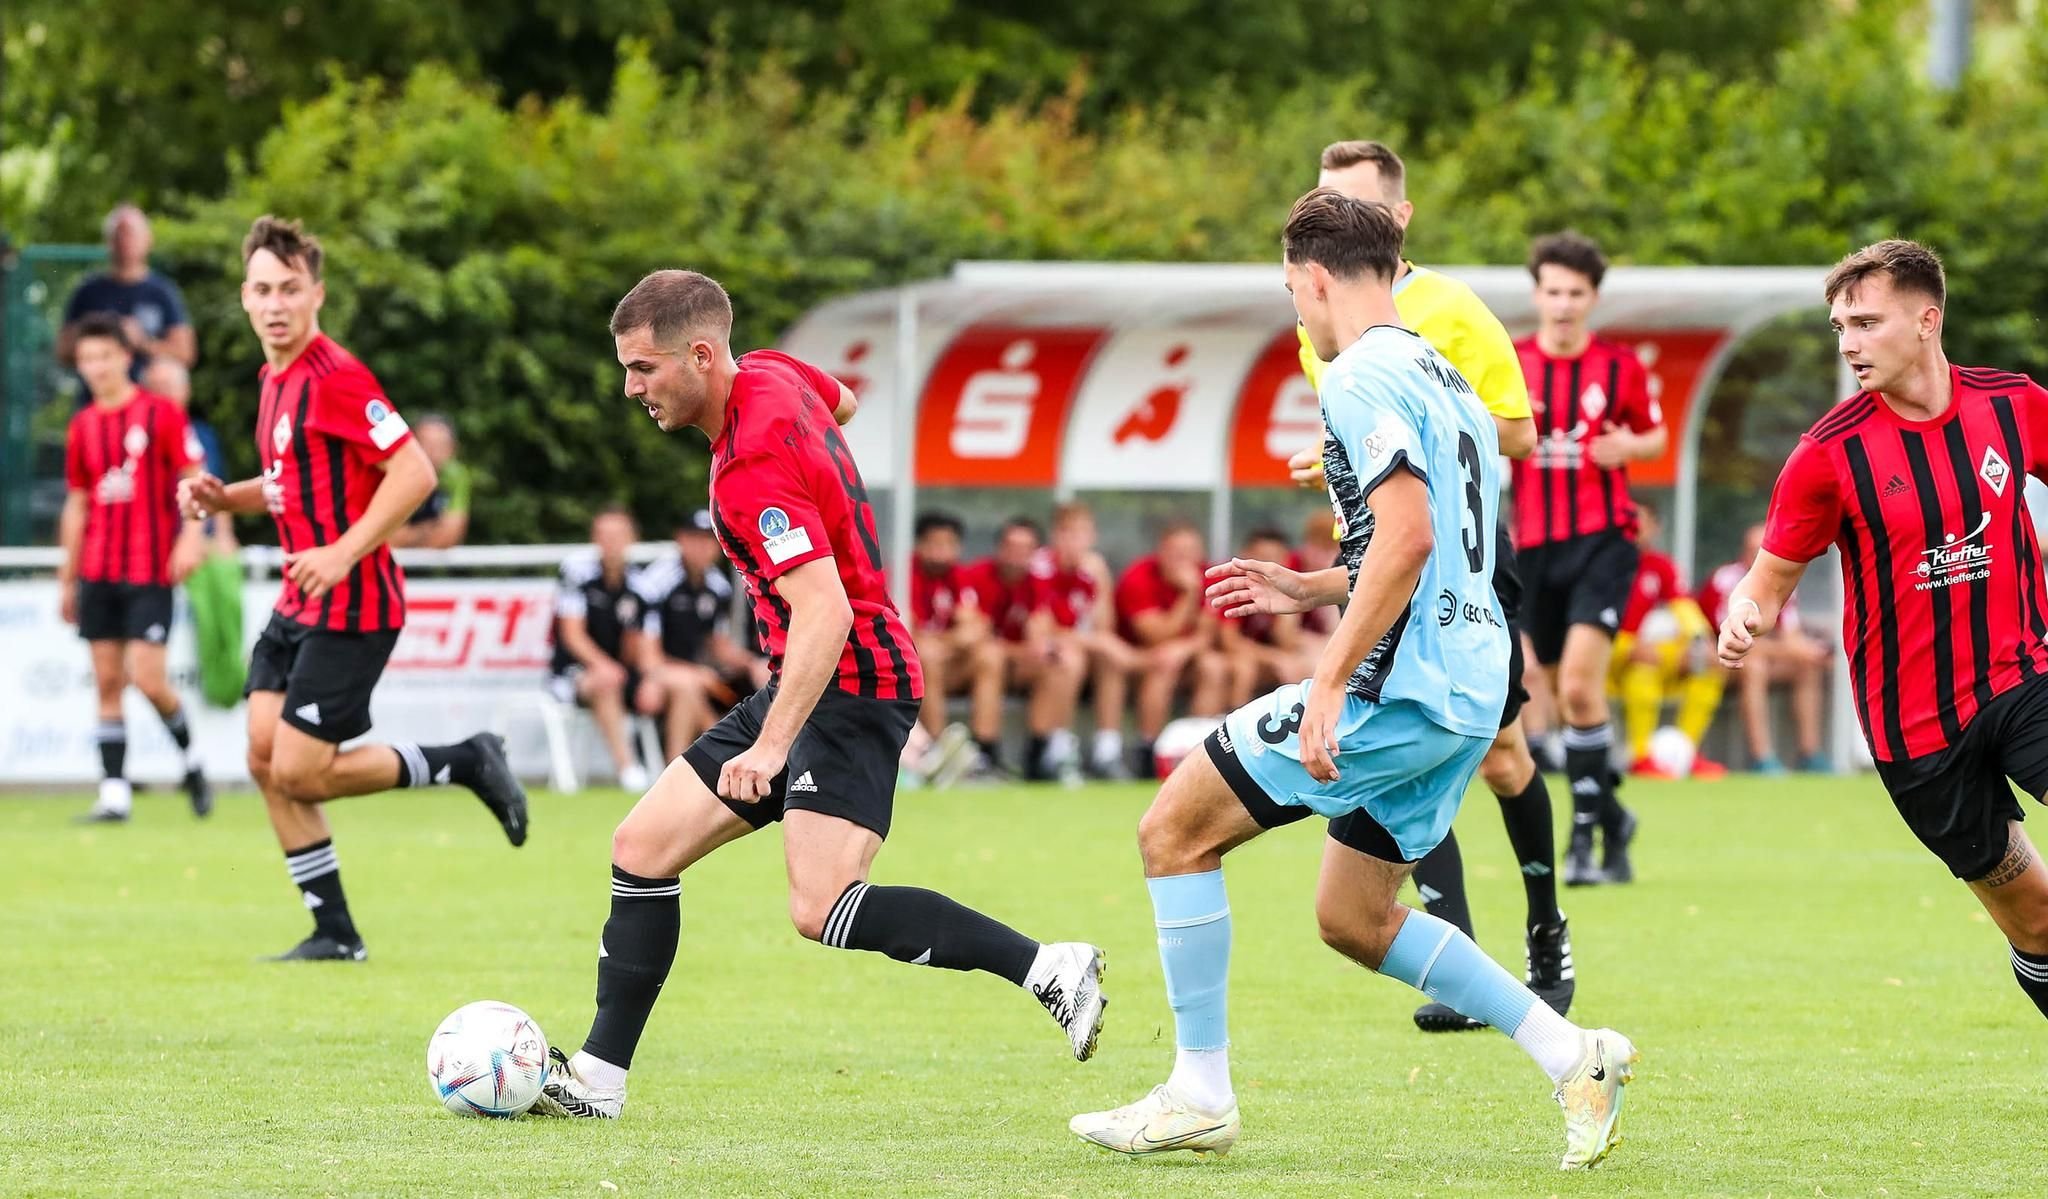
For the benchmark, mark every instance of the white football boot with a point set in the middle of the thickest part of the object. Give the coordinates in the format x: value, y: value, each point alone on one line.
x: 1067, y: 982
x: 1159, y: 1123
x: 566, y: 1095
x: 1591, y: 1098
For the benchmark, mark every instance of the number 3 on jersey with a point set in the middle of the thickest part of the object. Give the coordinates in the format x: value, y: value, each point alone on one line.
x: 1475, y: 504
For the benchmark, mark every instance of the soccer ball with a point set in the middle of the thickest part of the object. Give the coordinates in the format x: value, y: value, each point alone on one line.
x: 1672, y: 752
x: 487, y: 1059
x: 1179, y: 739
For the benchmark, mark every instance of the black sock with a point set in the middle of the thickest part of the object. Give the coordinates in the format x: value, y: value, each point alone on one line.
x: 436, y: 765
x: 1034, y: 759
x: 1146, y: 765
x: 1440, y: 880
x: 1534, y: 839
x: 924, y: 928
x: 317, y: 873
x: 174, y: 723
x: 2031, y: 969
x: 633, y: 961
x: 1591, y: 775
x: 991, y: 749
x: 112, y: 736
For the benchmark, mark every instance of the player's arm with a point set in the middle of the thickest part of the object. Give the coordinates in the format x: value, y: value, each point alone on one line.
x: 1387, y: 577
x: 1635, y: 431
x: 1805, y: 512
x: 71, y: 535
x: 408, y: 481
x: 820, y: 617
x: 848, y: 404
x: 1755, y: 604
x: 1155, y: 625
x: 1484, y: 353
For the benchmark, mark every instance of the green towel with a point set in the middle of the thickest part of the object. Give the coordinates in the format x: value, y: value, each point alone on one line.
x: 215, y: 589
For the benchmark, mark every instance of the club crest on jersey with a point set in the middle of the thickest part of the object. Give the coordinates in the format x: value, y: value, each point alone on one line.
x: 135, y: 441
x: 281, y: 433
x: 1593, y: 402
x: 1994, y: 471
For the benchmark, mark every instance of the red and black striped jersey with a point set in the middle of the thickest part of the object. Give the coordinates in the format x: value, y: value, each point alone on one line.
x: 322, y: 426
x: 785, y: 491
x: 128, y: 458
x: 1559, y: 492
x: 1945, y: 607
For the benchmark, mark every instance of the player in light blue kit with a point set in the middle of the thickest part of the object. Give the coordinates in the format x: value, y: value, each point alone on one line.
x: 1383, y: 740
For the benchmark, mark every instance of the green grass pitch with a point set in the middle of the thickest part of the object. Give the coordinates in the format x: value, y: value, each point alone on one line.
x: 1821, y: 1011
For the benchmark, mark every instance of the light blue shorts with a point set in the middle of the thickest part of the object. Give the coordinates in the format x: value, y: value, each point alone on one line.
x: 1402, y: 770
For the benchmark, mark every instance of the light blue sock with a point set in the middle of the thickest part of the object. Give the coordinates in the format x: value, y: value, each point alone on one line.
x: 1443, y: 963
x: 1193, y: 917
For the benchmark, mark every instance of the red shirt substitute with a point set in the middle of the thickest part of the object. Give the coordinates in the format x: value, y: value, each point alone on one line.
x: 1009, y: 602
x: 1945, y: 607
x: 937, y: 595
x: 1656, y: 583
x: 1070, y: 592
x: 1143, y: 589
x: 128, y: 460
x: 785, y: 491
x: 322, y: 427
x: 1559, y: 492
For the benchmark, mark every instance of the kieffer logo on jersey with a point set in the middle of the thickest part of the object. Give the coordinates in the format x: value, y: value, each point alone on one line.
x: 468, y: 630
x: 1956, y: 560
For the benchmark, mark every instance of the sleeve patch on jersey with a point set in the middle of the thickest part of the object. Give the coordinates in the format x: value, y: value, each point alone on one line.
x: 386, y: 426
x: 787, y: 545
x: 774, y: 522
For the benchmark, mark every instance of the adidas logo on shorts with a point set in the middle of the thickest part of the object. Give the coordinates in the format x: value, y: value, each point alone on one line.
x: 803, y: 782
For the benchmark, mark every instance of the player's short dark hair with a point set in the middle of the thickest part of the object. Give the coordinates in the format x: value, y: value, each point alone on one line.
x: 1349, y: 237
x: 102, y: 324
x: 1571, y: 250
x: 1393, y: 173
x: 1025, y: 523
x: 1912, y: 267
x: 932, y: 521
x: 671, y: 303
x: 286, y: 239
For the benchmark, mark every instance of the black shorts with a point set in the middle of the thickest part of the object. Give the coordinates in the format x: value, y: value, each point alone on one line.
x: 124, y: 612
x: 842, y: 764
x: 1957, y: 800
x: 1354, y: 830
x: 326, y: 677
x: 1585, y: 580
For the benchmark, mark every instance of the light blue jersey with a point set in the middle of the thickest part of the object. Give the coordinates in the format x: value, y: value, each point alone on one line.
x: 1391, y: 401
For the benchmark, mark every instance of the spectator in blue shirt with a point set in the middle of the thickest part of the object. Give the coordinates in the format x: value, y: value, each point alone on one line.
x: 151, y: 308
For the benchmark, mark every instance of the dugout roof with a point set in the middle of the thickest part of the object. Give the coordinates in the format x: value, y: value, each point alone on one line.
x: 1183, y: 377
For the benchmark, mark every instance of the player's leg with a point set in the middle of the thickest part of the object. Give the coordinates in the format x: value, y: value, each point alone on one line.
x: 1210, y: 685
x: 605, y: 698
x: 302, y: 834
x: 1055, y: 693
x: 831, y: 832
x: 1754, y: 682
x: 116, y: 798
x: 1197, y: 817
x: 1111, y: 661
x: 677, y: 823
x: 327, y: 702
x: 1360, y: 916
x: 1809, y: 662
x: 935, y: 654
x: 686, y: 691
x: 1509, y: 771
x: 1606, y: 570
x: 145, y: 660
x: 1160, y: 670
x: 2015, y: 894
x: 984, y: 665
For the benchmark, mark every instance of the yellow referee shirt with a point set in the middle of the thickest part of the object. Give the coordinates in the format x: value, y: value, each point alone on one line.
x: 1450, y: 316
